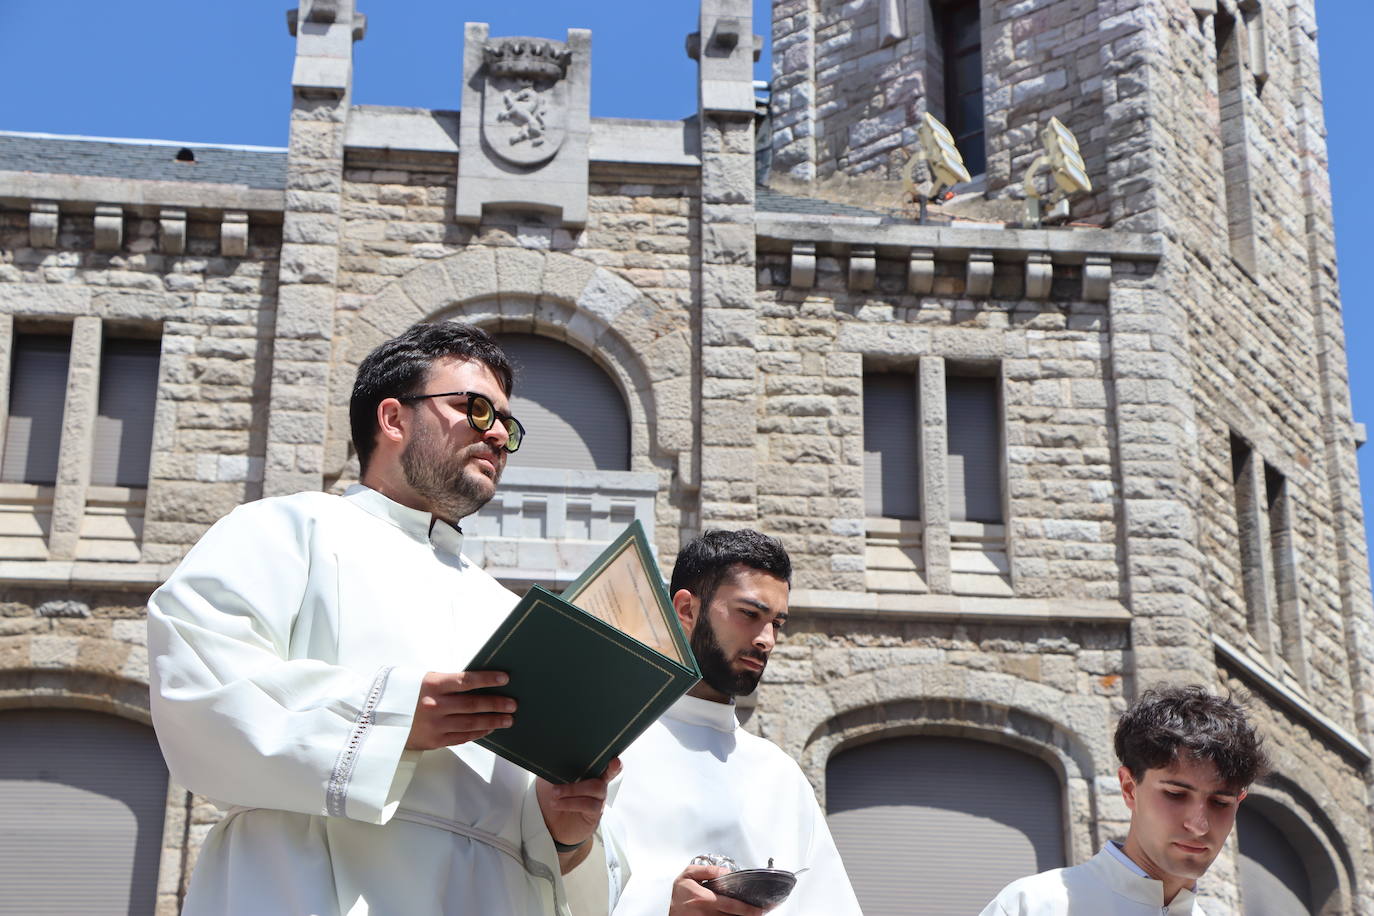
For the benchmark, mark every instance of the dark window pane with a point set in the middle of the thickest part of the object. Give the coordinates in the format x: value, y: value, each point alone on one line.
x: 38, y: 392
x: 961, y: 43
x: 968, y: 73
x: 970, y: 114
x: 124, y: 422
x: 975, y: 453
x: 891, y: 451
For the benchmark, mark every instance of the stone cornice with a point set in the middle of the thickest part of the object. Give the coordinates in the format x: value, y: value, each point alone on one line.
x: 613, y: 140
x: 140, y: 577
x: 777, y: 231
x: 966, y: 608
x: 18, y: 187
x: 1280, y: 693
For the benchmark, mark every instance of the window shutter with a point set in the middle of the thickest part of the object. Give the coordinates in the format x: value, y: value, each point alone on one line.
x: 124, y: 423
x: 892, y: 470
x: 940, y: 825
x: 574, y: 415
x: 975, y: 440
x: 38, y: 393
x: 82, y: 799
x: 1273, y: 881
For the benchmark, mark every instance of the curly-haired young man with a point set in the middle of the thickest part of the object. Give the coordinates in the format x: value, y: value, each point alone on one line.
x: 1187, y: 758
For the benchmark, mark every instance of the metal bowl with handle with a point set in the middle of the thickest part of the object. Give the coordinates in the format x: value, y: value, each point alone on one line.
x: 761, y: 887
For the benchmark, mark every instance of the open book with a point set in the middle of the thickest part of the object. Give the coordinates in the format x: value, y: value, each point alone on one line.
x: 591, y: 668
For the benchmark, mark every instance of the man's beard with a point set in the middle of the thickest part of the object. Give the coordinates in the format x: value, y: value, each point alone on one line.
x: 715, y: 667
x: 438, y: 475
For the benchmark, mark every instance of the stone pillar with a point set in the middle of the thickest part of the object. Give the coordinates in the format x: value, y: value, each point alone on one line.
x: 724, y: 47
x: 6, y: 366
x: 321, y: 86
x: 934, y: 445
x: 78, y: 433
x: 1157, y: 454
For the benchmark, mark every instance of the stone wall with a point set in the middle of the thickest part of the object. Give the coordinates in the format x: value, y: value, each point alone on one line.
x: 814, y: 348
x: 215, y: 317
x: 848, y: 93
x: 628, y: 273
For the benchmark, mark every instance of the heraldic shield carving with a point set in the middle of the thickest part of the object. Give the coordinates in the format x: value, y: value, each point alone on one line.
x: 525, y: 98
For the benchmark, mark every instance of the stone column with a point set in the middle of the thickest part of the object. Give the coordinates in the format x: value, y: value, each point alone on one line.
x: 934, y: 445
x: 6, y: 366
x: 1157, y: 455
x: 78, y: 434
x: 729, y: 391
x: 321, y: 86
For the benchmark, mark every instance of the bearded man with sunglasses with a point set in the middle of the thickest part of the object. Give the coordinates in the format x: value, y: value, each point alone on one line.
x: 307, y: 673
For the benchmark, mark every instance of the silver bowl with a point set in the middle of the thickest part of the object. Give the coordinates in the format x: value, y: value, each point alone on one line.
x: 755, y: 886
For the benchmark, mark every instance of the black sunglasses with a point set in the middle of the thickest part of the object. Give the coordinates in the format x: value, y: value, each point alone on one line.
x: 482, y: 415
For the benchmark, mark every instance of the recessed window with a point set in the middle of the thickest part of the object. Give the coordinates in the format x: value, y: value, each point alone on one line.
x: 38, y: 392
x: 892, y: 464
x: 975, y: 449
x: 960, y: 32
x: 124, y: 422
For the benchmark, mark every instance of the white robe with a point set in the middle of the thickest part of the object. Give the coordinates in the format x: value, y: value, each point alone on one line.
x: 1101, y: 886
x: 287, y: 652
x: 695, y: 783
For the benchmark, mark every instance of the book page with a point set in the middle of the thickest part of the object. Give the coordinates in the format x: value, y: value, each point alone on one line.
x: 622, y: 595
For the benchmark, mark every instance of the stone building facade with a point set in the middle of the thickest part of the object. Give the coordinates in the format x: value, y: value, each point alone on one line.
x: 1024, y: 472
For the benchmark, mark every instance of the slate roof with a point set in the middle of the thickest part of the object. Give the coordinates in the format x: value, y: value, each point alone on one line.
x: 770, y: 201
x: 257, y: 167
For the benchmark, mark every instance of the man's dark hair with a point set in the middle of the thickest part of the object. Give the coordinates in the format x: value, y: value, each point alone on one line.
x: 1168, y: 723
x: 400, y: 366
x: 706, y: 561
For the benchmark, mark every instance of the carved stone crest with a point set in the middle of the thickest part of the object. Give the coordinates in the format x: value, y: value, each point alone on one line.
x: 523, y: 137
x: 525, y: 98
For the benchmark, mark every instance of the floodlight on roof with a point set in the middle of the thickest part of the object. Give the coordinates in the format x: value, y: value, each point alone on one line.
x: 942, y: 157
x: 1065, y: 162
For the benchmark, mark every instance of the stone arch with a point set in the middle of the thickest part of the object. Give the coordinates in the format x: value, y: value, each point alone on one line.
x: 1069, y: 733
x: 646, y: 351
x: 1318, y: 841
x: 75, y: 687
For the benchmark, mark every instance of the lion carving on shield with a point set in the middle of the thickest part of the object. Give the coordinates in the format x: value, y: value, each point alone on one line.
x: 525, y: 111
x: 524, y: 116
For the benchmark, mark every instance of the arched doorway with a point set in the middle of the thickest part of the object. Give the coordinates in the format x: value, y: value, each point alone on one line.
x: 82, y: 799
x: 1283, y: 871
x: 935, y: 825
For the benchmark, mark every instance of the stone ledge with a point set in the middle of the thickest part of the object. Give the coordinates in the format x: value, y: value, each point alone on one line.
x: 1273, y: 689
x: 18, y: 187
x: 620, y: 140
x: 79, y: 574
x: 1065, y: 246
x: 965, y: 608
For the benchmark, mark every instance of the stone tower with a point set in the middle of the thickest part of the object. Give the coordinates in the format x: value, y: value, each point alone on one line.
x: 1235, y: 515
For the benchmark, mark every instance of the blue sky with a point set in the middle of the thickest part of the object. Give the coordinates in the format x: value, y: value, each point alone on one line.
x: 220, y: 73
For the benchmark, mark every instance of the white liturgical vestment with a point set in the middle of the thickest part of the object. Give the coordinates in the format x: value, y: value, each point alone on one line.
x: 287, y: 653
x: 1102, y: 886
x: 696, y: 783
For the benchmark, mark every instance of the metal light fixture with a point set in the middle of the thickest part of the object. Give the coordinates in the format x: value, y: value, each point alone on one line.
x: 1065, y: 162
x: 942, y: 157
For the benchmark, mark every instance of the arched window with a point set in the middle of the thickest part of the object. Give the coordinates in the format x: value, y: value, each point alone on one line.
x: 82, y: 800
x: 574, y: 416
x: 1275, y: 879
x: 939, y: 825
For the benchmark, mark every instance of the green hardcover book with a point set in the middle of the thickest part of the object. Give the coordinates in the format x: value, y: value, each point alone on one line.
x: 591, y: 668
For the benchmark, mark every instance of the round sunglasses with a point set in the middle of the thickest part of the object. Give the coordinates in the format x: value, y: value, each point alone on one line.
x: 482, y: 414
